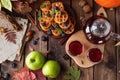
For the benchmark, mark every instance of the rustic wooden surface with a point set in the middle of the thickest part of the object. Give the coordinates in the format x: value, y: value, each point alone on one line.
x: 108, y: 69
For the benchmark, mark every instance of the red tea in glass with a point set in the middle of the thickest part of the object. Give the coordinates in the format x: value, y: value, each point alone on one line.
x: 95, y: 55
x: 75, y: 48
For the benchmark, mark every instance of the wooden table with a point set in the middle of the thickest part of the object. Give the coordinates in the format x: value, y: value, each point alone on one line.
x: 108, y: 69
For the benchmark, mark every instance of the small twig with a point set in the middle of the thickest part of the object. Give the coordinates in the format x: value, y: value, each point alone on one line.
x: 34, y: 15
x: 32, y: 21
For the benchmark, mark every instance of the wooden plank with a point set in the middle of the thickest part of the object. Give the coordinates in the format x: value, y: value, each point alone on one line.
x: 57, y: 52
x: 118, y: 48
x: 41, y: 46
x: 106, y: 70
x: 6, y: 67
x: 87, y: 74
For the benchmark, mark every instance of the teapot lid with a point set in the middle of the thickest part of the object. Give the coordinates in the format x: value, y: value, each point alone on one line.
x: 100, y: 27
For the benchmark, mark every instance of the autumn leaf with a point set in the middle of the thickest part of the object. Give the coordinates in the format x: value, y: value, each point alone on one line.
x: 118, y: 44
x: 73, y: 74
x: 39, y: 74
x: 24, y: 74
x: 21, y: 7
x: 7, y: 4
x: 10, y: 35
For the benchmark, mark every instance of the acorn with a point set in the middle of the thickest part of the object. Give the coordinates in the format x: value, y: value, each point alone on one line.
x: 82, y: 3
x: 29, y: 35
x: 85, y: 6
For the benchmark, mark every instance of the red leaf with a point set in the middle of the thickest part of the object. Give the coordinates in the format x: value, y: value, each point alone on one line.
x: 31, y: 48
x: 24, y: 74
x: 39, y: 74
x: 16, y: 4
x: 10, y: 35
x: 21, y: 7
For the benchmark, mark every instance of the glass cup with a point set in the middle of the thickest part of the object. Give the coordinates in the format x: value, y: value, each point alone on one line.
x: 98, y: 30
x: 95, y: 55
x: 75, y: 48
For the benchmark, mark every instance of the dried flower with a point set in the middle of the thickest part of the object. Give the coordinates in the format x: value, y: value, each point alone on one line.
x: 1, y: 30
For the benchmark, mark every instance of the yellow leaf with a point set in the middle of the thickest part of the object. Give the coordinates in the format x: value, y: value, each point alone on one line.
x: 0, y: 6
x: 7, y: 4
x: 118, y: 44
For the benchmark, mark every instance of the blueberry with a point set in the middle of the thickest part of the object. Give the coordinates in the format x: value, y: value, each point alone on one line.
x: 43, y: 38
x: 55, y: 8
x: 65, y: 23
x: 13, y: 64
x: 61, y: 12
x: 63, y: 34
x: 56, y: 25
x: 34, y: 42
x: 48, y: 15
x: 51, y: 27
x: 49, y: 32
x: 6, y: 76
x: 44, y: 24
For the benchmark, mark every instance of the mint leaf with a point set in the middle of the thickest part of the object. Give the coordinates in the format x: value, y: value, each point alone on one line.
x: 59, y: 29
x: 39, y: 15
x: 44, y: 5
x: 67, y: 77
x: 78, y: 75
x: 7, y: 4
x: 56, y: 11
x: 73, y: 73
x: 71, y: 70
x: 53, y: 12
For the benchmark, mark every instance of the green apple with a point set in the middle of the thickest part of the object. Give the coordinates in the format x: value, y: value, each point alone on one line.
x: 35, y: 60
x: 51, y: 69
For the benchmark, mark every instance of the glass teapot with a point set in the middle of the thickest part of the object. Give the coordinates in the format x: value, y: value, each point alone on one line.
x: 98, y: 30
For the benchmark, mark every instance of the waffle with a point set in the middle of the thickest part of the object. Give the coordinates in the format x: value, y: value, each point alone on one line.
x: 57, y: 6
x: 66, y: 24
x: 47, y: 16
x: 61, y: 17
x: 53, y: 23
x: 46, y: 5
x: 55, y: 20
x: 45, y: 26
x: 55, y: 32
x: 70, y: 29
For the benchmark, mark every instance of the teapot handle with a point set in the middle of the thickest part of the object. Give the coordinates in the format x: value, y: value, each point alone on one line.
x: 115, y: 36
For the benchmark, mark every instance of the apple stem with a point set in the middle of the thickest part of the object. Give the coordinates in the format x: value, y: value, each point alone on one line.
x: 32, y: 60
